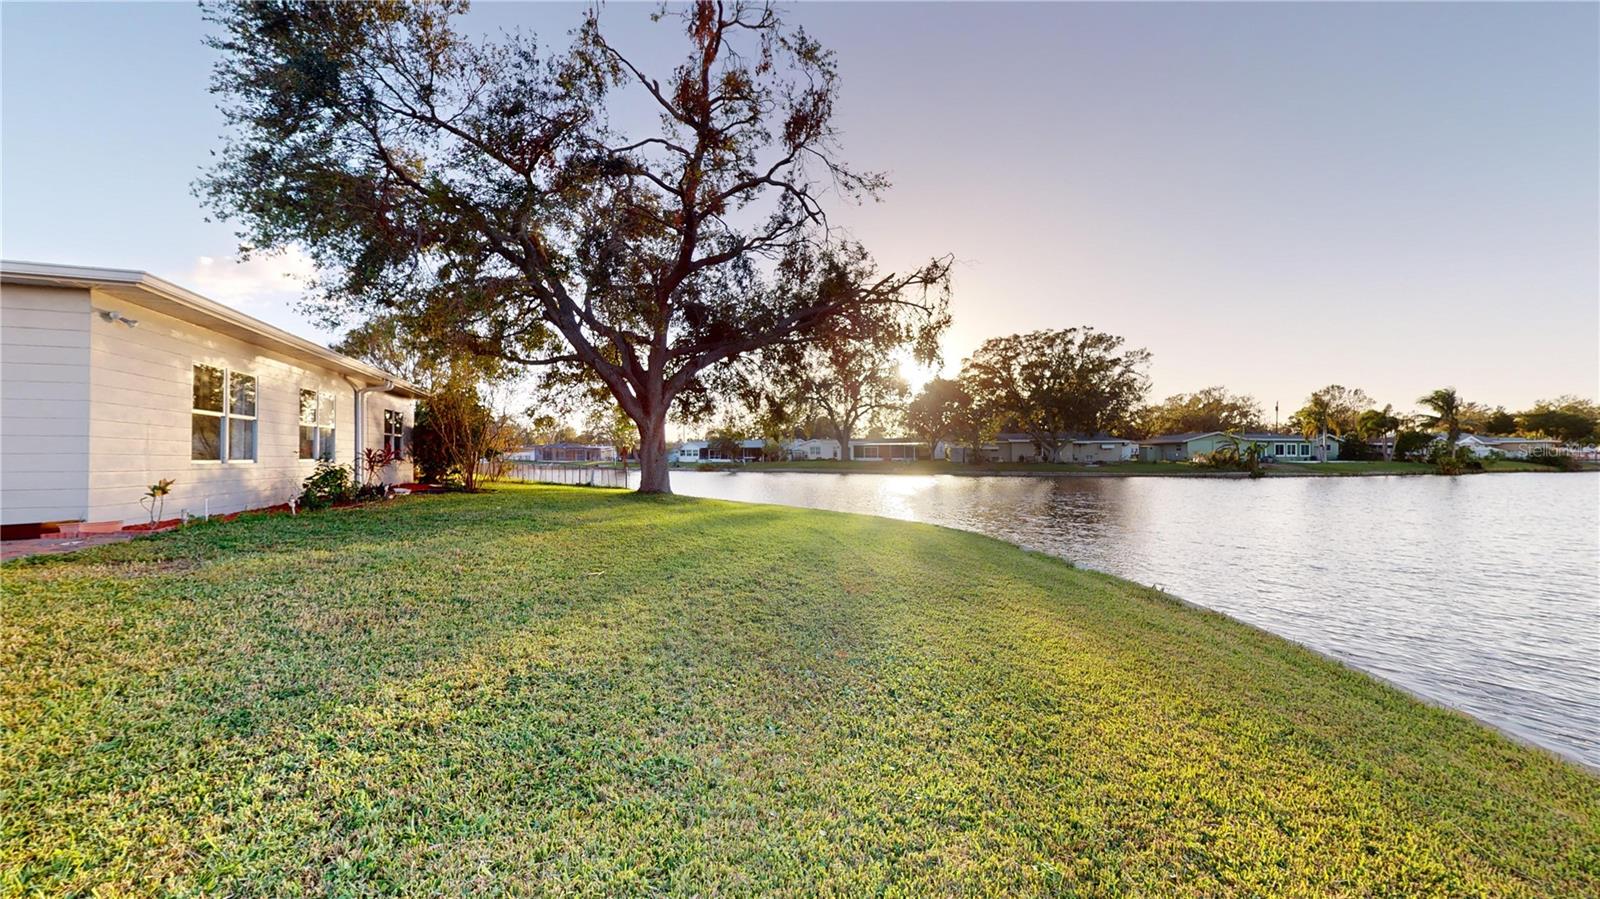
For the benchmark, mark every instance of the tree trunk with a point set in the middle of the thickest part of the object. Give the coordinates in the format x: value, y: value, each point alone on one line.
x: 843, y: 436
x: 653, y: 471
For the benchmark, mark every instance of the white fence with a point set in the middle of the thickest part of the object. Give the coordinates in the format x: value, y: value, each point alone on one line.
x: 576, y: 475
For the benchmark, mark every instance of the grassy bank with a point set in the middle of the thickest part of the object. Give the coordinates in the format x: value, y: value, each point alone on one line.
x: 1121, y: 469
x: 565, y: 691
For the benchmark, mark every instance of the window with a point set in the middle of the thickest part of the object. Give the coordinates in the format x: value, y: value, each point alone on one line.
x: 394, y: 427
x: 316, y: 425
x: 1277, y: 449
x: 222, y: 416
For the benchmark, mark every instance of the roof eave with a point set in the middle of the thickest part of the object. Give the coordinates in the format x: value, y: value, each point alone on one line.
x: 163, y: 296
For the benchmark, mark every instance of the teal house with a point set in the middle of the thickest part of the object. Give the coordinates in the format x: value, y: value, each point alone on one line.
x: 1273, y: 447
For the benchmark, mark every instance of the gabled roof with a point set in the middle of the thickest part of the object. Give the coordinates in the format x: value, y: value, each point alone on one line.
x: 1065, y: 436
x: 1493, y: 441
x: 1184, y: 437
x: 145, y: 289
x: 1252, y: 436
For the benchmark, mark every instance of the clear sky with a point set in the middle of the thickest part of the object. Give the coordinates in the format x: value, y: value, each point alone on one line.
x: 1271, y: 197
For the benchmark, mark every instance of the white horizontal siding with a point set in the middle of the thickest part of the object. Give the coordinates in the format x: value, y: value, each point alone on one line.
x: 139, y: 419
x: 44, y: 403
x: 376, y: 403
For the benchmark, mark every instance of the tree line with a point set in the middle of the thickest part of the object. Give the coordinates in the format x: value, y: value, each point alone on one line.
x: 470, y: 195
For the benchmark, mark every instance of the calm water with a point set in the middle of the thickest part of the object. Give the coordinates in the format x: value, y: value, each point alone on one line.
x: 1480, y: 593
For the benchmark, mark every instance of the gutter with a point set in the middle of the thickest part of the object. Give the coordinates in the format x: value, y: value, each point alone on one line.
x: 360, y: 466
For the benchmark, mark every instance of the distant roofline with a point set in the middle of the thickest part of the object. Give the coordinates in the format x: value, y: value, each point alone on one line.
x: 165, y: 297
x: 1242, y: 435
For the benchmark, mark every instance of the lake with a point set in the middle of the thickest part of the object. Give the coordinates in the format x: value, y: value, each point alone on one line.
x: 1481, y: 593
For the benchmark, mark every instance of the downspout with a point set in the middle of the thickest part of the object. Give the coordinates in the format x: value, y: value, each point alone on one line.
x: 360, y: 467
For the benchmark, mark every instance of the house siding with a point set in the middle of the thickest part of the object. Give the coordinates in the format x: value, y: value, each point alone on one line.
x: 375, y: 405
x: 44, y: 403
x: 138, y: 419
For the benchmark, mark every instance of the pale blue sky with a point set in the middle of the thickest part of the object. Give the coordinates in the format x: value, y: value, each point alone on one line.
x: 1271, y: 197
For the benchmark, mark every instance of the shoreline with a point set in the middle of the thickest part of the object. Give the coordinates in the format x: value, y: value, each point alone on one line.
x: 924, y: 470
x: 1161, y: 593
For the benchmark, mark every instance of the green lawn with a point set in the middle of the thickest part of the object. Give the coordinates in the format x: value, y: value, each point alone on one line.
x: 578, y: 692
x: 1139, y: 469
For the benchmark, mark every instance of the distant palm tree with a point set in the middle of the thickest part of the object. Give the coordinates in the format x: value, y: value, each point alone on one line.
x: 1315, y: 418
x: 1380, y: 423
x: 1447, y: 410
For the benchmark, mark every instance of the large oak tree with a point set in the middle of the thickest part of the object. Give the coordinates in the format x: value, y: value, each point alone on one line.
x: 1054, y: 385
x: 1207, y: 409
x: 477, y: 189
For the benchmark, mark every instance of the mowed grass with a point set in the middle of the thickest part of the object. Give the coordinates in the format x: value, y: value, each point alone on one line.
x: 562, y: 691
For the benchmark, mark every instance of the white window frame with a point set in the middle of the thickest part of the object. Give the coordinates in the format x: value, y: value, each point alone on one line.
x: 326, y: 402
x: 393, y: 440
x: 224, y: 441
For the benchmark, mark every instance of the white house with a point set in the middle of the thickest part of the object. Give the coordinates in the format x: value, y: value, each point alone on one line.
x: 565, y: 452
x: 689, y: 451
x: 1017, y: 447
x: 1510, y: 447
x: 812, y: 448
x: 894, y: 449
x: 111, y: 380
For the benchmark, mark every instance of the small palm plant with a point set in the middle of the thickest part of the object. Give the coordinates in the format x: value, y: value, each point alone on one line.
x: 155, y: 498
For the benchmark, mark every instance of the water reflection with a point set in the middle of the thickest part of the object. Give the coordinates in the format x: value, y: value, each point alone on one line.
x: 1481, y: 593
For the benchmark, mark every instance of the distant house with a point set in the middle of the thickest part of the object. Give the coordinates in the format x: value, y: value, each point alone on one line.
x: 812, y: 448
x: 1273, y: 447
x: 1019, y: 447
x: 566, y: 452
x: 1102, y: 449
x: 752, y: 450
x: 689, y: 451
x: 897, y: 449
x: 1510, y: 447
x: 114, y: 380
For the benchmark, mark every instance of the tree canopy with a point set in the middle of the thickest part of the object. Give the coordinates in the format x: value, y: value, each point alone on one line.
x: 937, y: 411
x: 1051, y: 384
x: 1208, y: 409
x: 477, y: 189
x: 1567, y: 418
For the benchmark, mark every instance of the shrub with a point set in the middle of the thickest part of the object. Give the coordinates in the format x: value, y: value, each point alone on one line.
x: 1413, y: 445
x: 376, y: 460
x: 327, y: 485
x: 1355, y: 449
x: 1454, y: 460
x: 1233, y: 457
x: 1558, y: 461
x: 427, y: 451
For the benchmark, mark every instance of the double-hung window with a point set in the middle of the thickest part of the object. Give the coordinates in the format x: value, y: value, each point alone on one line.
x: 316, y: 425
x: 394, y: 427
x: 222, y: 416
